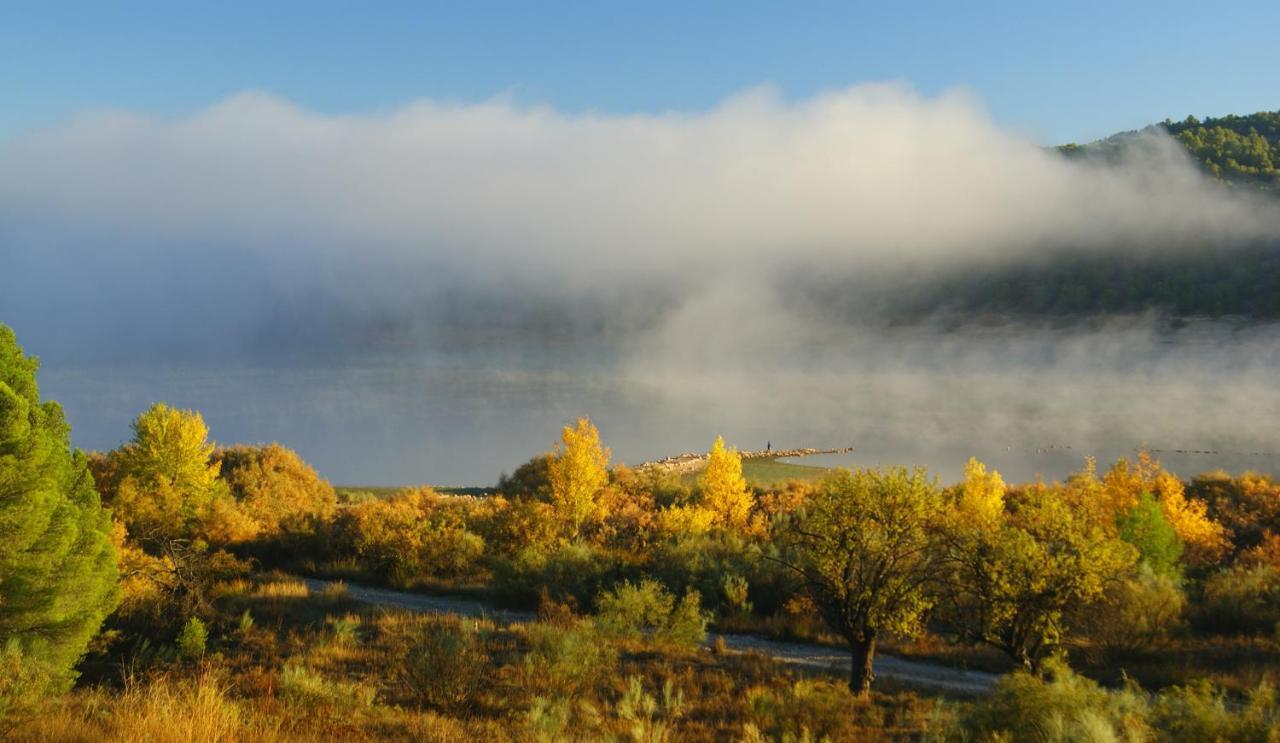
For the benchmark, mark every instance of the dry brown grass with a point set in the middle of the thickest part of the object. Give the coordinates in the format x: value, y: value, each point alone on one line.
x: 305, y: 671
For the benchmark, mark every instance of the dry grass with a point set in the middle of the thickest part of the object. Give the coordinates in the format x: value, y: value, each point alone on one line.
x: 303, y: 671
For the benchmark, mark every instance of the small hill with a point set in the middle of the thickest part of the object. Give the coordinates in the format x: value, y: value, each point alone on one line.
x: 1240, y: 150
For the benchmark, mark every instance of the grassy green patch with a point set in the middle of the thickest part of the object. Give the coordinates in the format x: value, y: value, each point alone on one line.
x: 767, y: 472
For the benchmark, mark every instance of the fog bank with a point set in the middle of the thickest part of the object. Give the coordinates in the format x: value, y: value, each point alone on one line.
x: 427, y: 292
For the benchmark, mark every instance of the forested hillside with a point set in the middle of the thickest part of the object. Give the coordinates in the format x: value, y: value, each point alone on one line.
x: 1202, y: 281
x: 1241, y: 150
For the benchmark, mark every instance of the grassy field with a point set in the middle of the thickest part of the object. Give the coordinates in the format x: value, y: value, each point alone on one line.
x: 768, y: 472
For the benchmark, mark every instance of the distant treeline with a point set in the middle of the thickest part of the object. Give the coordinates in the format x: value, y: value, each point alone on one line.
x: 1178, y: 282
x: 1242, y: 282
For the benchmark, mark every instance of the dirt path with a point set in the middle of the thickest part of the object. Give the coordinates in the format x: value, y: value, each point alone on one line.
x: 835, y: 660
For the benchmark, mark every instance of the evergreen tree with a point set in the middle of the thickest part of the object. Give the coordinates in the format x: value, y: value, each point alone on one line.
x: 58, y: 573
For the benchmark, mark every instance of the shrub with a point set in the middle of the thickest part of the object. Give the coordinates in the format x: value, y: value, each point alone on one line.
x: 521, y: 524
x: 573, y: 570
x: 1135, y: 612
x: 708, y: 562
x: 192, y: 639
x: 1202, y: 712
x: 1241, y: 600
x: 305, y: 689
x: 413, y: 534
x: 280, y: 494
x: 650, y: 719
x: 24, y: 682
x: 565, y: 662
x: 444, y: 665
x: 343, y: 631
x: 547, y: 720
x: 648, y: 609
x: 1060, y: 707
x: 807, y: 710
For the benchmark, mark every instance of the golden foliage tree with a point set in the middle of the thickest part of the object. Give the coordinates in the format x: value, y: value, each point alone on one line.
x: 1010, y: 583
x: 980, y: 496
x: 1205, y: 540
x: 276, y: 490
x: 724, y: 490
x: 578, y: 470
x: 163, y: 483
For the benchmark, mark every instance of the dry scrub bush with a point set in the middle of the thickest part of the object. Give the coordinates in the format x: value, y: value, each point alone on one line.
x: 279, y: 493
x: 1066, y: 707
x: 565, y: 661
x: 1201, y: 712
x: 162, y: 709
x: 443, y: 663
x: 808, y: 709
x: 1062, y: 707
x: 650, y: 719
x: 307, y: 691
x: 1241, y: 600
x: 414, y: 534
x: 1134, y: 613
x: 648, y: 609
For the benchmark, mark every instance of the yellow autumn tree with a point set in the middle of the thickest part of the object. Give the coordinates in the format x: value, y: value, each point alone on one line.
x: 1204, y: 539
x: 577, y: 471
x: 724, y: 490
x: 163, y: 482
x: 980, y: 497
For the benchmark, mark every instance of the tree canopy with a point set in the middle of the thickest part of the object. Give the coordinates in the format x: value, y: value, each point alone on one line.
x: 862, y: 547
x: 58, y: 573
x: 577, y: 471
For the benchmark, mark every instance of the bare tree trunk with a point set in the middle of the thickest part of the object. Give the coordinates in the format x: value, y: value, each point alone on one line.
x: 860, y: 673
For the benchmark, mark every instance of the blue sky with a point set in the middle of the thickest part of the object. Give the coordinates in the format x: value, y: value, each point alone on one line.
x: 1054, y: 71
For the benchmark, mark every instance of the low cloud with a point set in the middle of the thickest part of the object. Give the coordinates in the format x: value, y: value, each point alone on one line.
x: 664, y: 249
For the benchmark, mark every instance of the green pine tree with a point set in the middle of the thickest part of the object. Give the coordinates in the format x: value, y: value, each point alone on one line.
x: 58, y: 572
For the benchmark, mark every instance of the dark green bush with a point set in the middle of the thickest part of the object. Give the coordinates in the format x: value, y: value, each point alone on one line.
x: 1240, y: 600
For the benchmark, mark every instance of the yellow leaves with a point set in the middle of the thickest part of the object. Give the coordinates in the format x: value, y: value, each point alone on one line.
x: 275, y: 490
x: 686, y: 520
x: 980, y: 501
x: 724, y: 490
x: 1205, y: 540
x: 578, y: 469
x: 170, y: 445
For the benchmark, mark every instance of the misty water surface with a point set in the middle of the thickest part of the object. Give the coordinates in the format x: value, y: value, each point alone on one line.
x: 1028, y: 402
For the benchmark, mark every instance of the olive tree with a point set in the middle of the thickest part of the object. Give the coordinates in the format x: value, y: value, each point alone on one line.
x: 862, y: 546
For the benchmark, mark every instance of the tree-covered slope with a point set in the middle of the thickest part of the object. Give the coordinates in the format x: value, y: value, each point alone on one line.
x: 1211, y: 280
x: 1240, y: 150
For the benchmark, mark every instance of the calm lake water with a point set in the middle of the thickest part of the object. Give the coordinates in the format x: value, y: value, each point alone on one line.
x: 1034, y: 407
